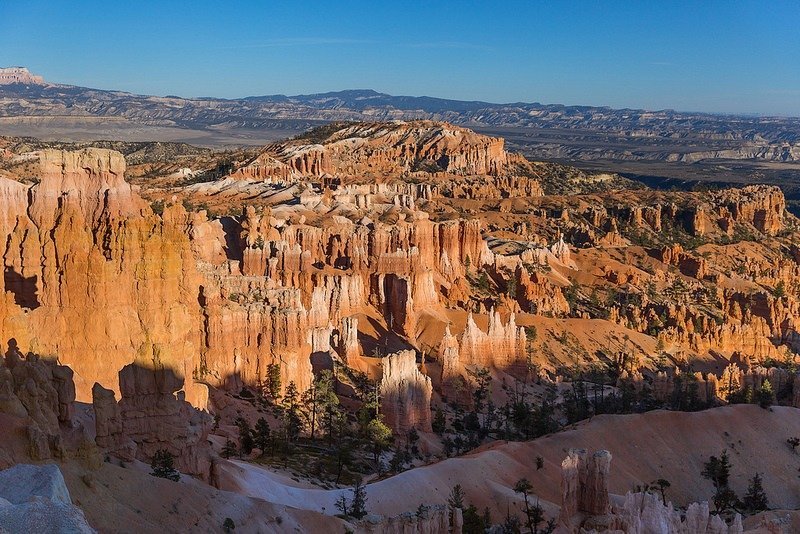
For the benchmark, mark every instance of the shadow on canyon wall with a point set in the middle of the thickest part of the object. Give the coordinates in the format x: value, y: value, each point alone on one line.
x: 22, y: 287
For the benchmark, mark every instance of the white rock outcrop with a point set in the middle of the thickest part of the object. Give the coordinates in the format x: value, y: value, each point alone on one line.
x: 35, y: 498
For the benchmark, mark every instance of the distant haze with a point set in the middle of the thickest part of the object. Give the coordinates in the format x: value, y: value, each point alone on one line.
x: 713, y: 56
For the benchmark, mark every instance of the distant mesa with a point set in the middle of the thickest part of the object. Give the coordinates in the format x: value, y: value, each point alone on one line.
x: 9, y: 75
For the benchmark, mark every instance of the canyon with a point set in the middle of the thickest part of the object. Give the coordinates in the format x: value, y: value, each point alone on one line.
x: 398, y: 275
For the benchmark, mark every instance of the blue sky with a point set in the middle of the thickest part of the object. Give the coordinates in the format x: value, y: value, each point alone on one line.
x: 718, y: 56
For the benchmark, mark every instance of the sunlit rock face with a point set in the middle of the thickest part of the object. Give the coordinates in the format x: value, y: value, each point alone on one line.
x: 92, y: 275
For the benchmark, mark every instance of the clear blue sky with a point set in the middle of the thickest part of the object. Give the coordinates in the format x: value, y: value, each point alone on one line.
x: 705, y: 55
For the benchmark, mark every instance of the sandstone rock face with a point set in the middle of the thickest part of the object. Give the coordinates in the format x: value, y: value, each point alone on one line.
x: 88, y: 269
x: 645, y: 512
x: 585, y: 505
x: 405, y: 393
x: 688, y: 264
x: 86, y: 258
x: 393, y: 148
x: 434, y: 521
x: 109, y: 427
x: 151, y: 417
x: 584, y: 485
x: 35, y: 498
x: 499, y: 347
x: 796, y: 392
x: 10, y: 75
x: 759, y: 205
x: 40, y: 393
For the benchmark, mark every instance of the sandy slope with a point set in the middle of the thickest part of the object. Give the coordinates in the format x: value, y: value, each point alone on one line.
x: 116, y: 499
x: 645, y: 447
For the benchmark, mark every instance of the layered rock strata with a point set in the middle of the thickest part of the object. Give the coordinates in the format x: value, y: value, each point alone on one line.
x: 152, y: 415
x: 405, y: 393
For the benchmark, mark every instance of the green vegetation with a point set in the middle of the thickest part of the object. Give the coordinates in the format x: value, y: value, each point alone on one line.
x: 163, y: 466
x: 355, y: 507
x: 718, y: 471
x: 755, y: 500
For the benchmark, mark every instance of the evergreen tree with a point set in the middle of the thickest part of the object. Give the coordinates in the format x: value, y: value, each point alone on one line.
x: 718, y: 471
x: 321, y: 402
x: 534, y: 514
x: 358, y: 506
x: 229, y: 449
x: 766, y: 397
x: 342, y: 505
x: 330, y: 411
x: 780, y: 290
x: 511, y: 524
x: 380, y: 436
x: 261, y: 437
x: 344, y: 456
x: 473, y: 521
x: 291, y: 412
x: 273, y: 384
x: 163, y: 466
x: 511, y: 288
x: 662, y: 485
x: 456, y: 497
x: 455, y: 500
x: 482, y: 379
x: 246, y: 442
x: 755, y: 499
x: 439, y: 422
x: 228, y: 525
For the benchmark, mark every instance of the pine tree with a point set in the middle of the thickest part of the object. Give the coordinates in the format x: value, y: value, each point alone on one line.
x: 273, y: 384
x: 662, y: 485
x: 780, y: 290
x: 718, y: 470
x: 380, y: 436
x: 358, y: 506
x: 766, y: 397
x: 456, y: 497
x: 329, y: 411
x: 261, y: 436
x: 342, y: 505
x: 229, y: 449
x: 246, y: 442
x: 439, y: 422
x: 291, y: 406
x: 163, y: 466
x: 534, y: 514
x: 755, y: 499
x: 473, y: 521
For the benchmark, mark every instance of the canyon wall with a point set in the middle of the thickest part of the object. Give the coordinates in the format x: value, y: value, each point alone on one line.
x: 93, y: 276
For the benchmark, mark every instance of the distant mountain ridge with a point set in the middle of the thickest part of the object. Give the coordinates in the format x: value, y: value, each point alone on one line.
x: 571, y: 132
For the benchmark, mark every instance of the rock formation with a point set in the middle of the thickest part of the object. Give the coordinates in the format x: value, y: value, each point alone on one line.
x: 394, y: 148
x: 9, y: 75
x: 91, y: 267
x: 150, y: 417
x: 434, y: 520
x: 405, y: 393
x: 500, y: 346
x: 584, y: 486
x: 585, y: 505
x: 40, y: 394
x: 35, y: 498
